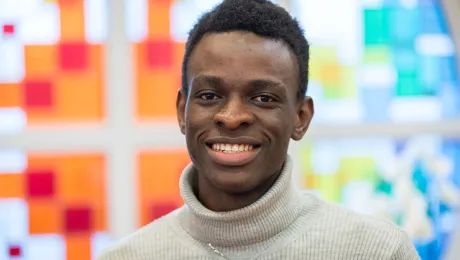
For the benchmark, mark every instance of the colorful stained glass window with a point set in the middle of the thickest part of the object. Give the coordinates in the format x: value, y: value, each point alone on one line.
x: 159, y: 192
x: 366, y: 67
x: 52, y: 206
x: 412, y: 182
x: 52, y: 55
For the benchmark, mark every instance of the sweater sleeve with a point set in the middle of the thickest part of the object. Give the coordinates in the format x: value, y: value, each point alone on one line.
x: 405, y: 249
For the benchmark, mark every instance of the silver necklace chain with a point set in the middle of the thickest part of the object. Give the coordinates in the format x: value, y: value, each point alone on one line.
x: 217, y: 251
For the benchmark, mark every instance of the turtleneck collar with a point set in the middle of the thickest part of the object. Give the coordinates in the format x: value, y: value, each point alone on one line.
x: 256, y: 223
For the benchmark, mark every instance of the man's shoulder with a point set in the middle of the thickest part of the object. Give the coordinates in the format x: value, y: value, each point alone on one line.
x: 143, y: 242
x: 340, y: 218
x: 355, y: 230
x: 364, y: 225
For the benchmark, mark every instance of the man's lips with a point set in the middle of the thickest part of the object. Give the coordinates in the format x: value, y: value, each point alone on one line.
x: 233, y: 140
x: 233, y: 158
x: 233, y: 151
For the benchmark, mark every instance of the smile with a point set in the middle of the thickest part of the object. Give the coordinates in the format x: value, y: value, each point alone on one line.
x: 232, y: 148
x: 232, y: 154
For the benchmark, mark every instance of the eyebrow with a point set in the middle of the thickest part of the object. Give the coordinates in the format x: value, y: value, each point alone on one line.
x: 256, y: 84
x: 261, y: 84
x: 211, y: 80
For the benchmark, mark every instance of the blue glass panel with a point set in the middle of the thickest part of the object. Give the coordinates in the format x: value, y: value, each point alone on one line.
x: 414, y: 183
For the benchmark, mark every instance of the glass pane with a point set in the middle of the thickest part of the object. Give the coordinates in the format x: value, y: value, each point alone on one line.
x: 52, y: 206
x: 380, y: 61
x: 414, y: 183
x: 52, y: 61
x: 157, y: 180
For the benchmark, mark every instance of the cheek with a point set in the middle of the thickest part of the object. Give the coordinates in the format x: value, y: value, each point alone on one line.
x: 197, y: 120
x: 278, y: 124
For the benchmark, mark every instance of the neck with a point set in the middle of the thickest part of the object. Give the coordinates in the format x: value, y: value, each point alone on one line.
x: 220, y: 201
x: 267, y: 216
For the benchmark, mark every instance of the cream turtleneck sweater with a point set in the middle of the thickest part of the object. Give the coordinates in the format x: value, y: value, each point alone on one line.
x: 283, y: 224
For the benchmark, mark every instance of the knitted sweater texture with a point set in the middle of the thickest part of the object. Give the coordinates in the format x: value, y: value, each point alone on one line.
x: 285, y: 223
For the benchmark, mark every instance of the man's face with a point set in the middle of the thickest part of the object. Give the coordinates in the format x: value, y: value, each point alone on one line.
x: 241, y: 109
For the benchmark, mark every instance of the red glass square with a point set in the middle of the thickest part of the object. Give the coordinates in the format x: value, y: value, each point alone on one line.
x: 38, y: 94
x: 8, y: 29
x: 40, y: 184
x: 159, y: 54
x: 161, y: 209
x: 78, y: 219
x: 14, y: 251
x: 73, y: 56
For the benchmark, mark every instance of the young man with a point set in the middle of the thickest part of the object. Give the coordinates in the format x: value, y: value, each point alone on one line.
x: 244, y: 79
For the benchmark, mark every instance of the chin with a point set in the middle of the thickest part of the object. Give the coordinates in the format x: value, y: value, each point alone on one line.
x: 234, y: 183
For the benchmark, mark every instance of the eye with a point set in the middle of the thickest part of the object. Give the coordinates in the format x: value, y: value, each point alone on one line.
x: 209, y: 96
x: 264, y: 99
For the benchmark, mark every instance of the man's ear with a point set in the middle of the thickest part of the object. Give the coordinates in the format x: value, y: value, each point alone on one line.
x: 181, y: 103
x: 305, y: 111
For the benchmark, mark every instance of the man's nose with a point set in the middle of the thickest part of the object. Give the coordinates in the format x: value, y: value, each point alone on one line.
x: 234, y: 114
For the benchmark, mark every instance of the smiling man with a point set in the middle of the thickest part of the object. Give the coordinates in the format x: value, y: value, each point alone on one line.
x: 244, y: 79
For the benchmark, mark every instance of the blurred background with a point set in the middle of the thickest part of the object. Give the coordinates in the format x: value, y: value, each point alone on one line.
x: 90, y: 149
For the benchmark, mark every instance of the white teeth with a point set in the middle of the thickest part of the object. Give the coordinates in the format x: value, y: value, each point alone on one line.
x: 232, y: 148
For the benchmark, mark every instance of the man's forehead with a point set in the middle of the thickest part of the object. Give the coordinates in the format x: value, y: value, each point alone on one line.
x: 242, y: 49
x: 241, y: 39
x: 244, y: 55
x: 250, y: 82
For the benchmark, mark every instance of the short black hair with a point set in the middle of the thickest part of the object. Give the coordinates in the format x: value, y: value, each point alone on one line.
x: 261, y: 17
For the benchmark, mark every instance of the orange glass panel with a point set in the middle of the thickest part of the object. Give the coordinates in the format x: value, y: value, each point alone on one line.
x: 42, y: 161
x: 79, y: 177
x: 179, y: 51
x: 72, y: 20
x: 12, y: 186
x: 79, y: 97
x: 158, y: 20
x: 100, y: 217
x: 140, y: 50
x: 40, y: 60
x: 40, y: 116
x: 10, y: 95
x: 78, y: 247
x: 44, y: 217
x: 96, y: 57
x: 156, y: 89
x: 169, y: 2
x: 81, y: 180
x: 159, y: 173
x: 157, y: 95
